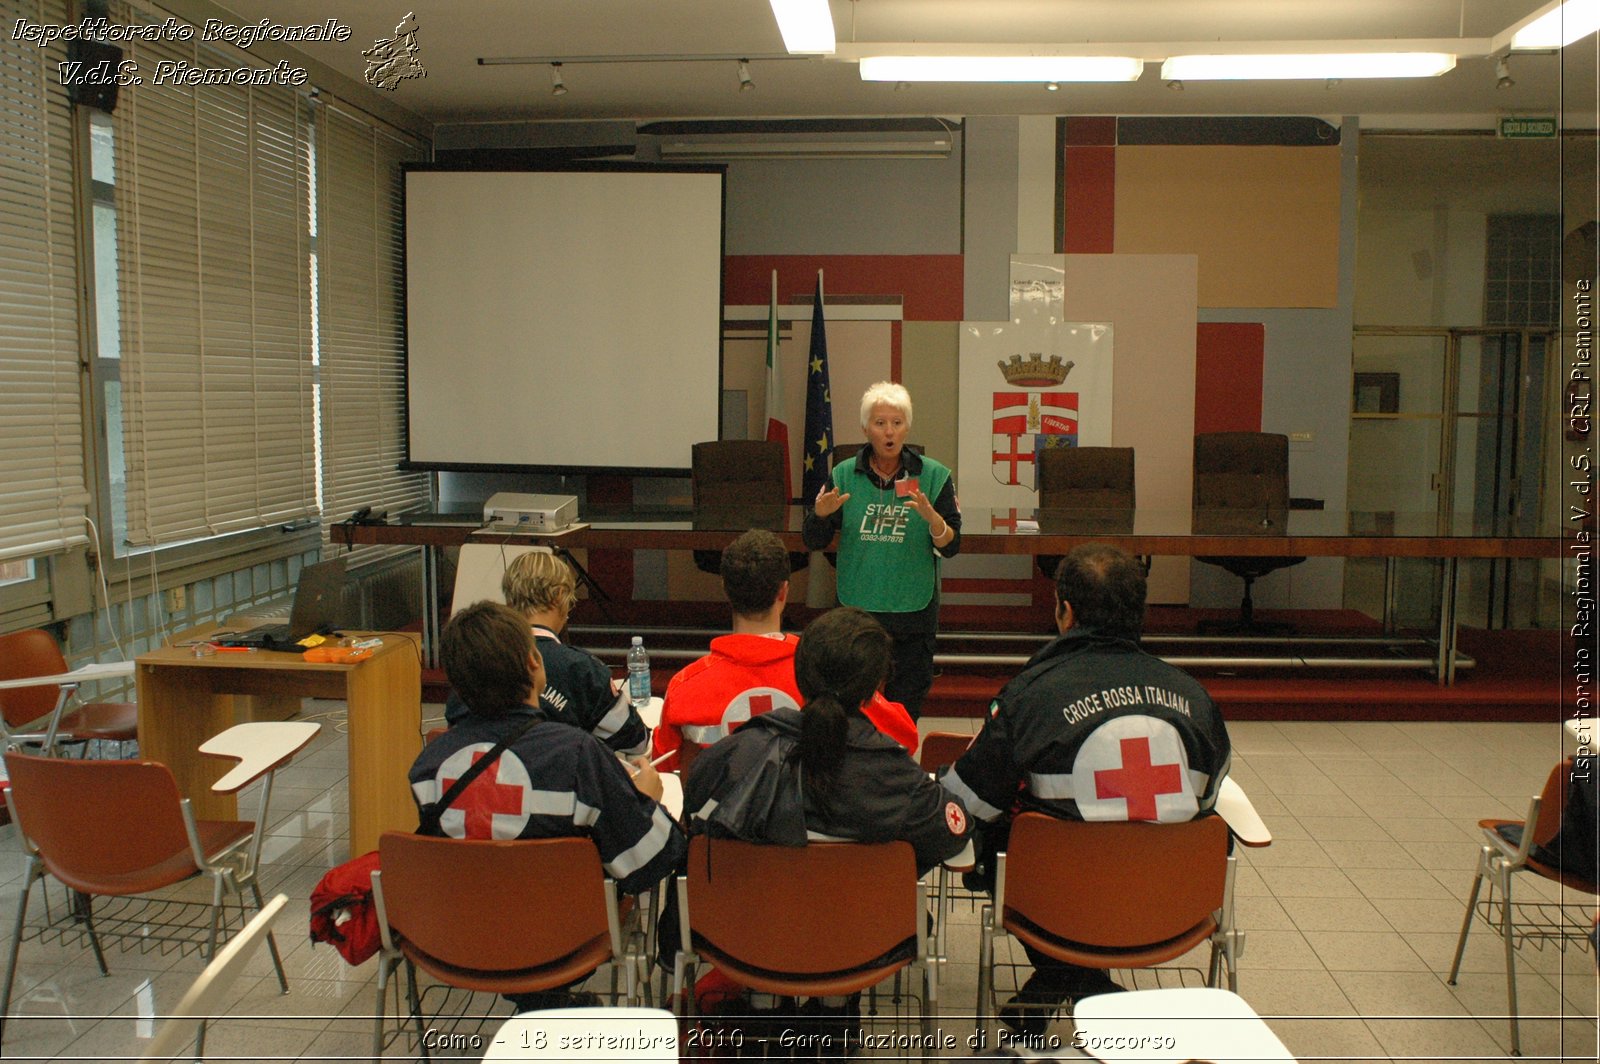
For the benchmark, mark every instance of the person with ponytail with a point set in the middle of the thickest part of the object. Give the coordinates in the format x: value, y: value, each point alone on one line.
x: 824, y: 770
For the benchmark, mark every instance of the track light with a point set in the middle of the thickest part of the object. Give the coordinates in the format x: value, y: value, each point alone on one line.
x: 1502, y: 73
x: 557, y: 86
x: 1051, y: 86
x: 1175, y: 85
x: 745, y: 82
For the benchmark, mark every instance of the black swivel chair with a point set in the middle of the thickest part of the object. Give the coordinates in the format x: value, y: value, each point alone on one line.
x: 1241, y: 488
x: 738, y: 485
x: 1084, y: 491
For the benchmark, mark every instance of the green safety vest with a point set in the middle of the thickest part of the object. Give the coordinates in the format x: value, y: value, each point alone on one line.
x: 887, y: 563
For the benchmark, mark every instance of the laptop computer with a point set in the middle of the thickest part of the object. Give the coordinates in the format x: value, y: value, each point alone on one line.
x: 317, y: 598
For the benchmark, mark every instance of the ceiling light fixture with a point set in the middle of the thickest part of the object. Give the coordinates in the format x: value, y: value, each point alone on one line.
x: 745, y: 82
x: 1051, y: 86
x: 806, y: 25
x: 1000, y: 68
x: 1175, y: 85
x: 557, y: 86
x: 1555, y: 25
x: 1307, y: 66
x: 1502, y: 73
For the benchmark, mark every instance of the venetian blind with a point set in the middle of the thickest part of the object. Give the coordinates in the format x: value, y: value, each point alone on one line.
x: 43, y: 498
x: 212, y: 196
x: 361, y: 327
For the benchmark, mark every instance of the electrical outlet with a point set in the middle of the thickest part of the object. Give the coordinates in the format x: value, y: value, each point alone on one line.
x: 177, y: 599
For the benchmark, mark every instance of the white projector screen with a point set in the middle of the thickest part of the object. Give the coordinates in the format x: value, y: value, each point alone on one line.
x: 563, y: 320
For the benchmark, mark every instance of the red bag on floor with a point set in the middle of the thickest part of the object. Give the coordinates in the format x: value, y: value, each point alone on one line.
x: 342, y: 913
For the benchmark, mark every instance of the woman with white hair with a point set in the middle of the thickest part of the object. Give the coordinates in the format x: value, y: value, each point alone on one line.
x: 897, y: 518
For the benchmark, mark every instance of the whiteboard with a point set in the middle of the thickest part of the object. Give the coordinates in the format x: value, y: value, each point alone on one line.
x: 563, y: 320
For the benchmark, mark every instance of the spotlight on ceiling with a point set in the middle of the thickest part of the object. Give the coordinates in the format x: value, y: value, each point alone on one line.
x: 1502, y: 73
x: 1175, y: 85
x: 557, y: 86
x: 745, y: 81
x: 1051, y: 86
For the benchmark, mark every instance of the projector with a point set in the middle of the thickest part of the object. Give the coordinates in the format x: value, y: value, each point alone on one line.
x: 530, y: 513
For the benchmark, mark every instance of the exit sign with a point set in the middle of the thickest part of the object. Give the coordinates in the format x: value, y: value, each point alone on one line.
x: 1528, y: 128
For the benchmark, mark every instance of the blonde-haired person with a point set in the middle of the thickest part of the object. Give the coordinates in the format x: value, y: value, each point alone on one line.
x: 578, y: 687
x: 897, y: 518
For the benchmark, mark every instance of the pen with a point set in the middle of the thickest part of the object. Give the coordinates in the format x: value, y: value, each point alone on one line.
x: 634, y: 771
x: 236, y: 650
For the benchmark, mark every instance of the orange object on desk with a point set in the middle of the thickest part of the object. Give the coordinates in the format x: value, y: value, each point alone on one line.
x: 337, y: 655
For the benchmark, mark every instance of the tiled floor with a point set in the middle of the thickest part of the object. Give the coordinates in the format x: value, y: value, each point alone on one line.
x: 1351, y: 914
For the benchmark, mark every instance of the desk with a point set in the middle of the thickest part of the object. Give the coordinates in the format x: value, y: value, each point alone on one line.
x: 1309, y: 533
x: 185, y: 700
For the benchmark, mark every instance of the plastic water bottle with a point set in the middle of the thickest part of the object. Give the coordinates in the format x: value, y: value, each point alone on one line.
x: 638, y: 672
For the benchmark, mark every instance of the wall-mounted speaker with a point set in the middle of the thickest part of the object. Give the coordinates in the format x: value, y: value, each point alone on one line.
x: 90, y: 74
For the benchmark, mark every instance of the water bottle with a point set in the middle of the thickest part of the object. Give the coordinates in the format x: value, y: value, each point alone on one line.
x: 638, y: 673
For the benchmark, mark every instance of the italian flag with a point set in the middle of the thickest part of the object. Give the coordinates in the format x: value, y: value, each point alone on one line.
x: 777, y: 428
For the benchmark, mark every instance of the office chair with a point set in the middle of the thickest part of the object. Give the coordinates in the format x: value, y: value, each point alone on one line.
x: 1241, y: 488
x: 1084, y: 491
x: 738, y: 485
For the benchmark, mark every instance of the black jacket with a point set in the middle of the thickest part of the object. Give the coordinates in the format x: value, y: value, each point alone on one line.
x: 879, y: 794
x: 1096, y: 729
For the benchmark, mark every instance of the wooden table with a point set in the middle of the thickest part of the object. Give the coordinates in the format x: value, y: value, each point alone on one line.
x: 184, y: 700
x: 1295, y: 533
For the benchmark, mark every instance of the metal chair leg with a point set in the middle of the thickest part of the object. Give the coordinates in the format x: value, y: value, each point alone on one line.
x: 16, y: 943
x: 1511, y: 961
x: 272, y: 943
x: 83, y: 906
x: 1466, y: 920
x: 216, y: 918
x: 985, y: 979
x: 385, y: 968
x: 415, y: 1003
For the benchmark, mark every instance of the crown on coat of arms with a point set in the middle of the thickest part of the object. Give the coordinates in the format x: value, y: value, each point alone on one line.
x: 1035, y: 372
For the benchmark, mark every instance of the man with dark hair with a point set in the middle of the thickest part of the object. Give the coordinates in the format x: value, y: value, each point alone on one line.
x: 1092, y: 729
x: 552, y: 780
x: 752, y: 670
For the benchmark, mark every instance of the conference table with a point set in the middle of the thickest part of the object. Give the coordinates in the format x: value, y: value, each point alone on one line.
x: 1449, y: 538
x: 186, y: 698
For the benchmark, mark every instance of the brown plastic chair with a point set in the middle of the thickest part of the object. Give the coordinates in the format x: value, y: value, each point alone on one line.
x: 850, y: 915
x: 513, y: 943
x: 1241, y: 488
x: 1112, y: 895
x: 34, y: 652
x: 118, y: 828
x: 942, y: 748
x: 1509, y: 850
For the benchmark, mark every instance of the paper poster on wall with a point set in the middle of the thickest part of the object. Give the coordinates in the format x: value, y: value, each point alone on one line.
x: 1029, y: 384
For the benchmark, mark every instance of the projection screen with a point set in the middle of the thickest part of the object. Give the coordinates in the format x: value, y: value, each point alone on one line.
x: 563, y: 320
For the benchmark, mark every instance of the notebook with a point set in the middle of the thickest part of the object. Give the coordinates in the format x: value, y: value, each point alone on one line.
x: 317, y: 599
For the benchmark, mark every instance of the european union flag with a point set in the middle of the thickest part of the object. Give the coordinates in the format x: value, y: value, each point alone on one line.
x: 819, y: 406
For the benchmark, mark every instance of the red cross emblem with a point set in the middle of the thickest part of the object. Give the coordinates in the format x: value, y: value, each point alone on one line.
x: 1138, y: 782
x: 955, y: 818
x: 483, y: 798
x: 760, y: 704
x: 1011, y: 455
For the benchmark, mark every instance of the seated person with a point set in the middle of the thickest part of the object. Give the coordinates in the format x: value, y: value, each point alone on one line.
x: 841, y: 777
x: 824, y: 772
x: 579, y: 690
x: 752, y: 670
x: 1058, y: 733
x: 566, y: 782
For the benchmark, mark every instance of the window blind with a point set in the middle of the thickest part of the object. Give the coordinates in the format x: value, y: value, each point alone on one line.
x: 361, y: 323
x: 43, y: 498
x: 212, y: 196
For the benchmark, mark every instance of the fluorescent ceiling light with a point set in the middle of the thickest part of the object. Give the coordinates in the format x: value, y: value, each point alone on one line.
x: 929, y: 148
x: 1040, y: 68
x: 806, y: 25
x: 1558, y: 26
x: 1308, y: 66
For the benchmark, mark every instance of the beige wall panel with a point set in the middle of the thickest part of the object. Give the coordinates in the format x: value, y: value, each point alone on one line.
x: 928, y: 353
x: 1264, y: 221
x: 1150, y: 302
